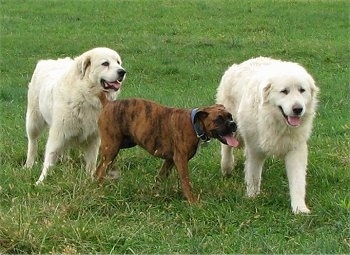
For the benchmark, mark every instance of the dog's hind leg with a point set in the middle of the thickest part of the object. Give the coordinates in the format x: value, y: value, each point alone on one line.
x: 54, y: 148
x: 35, y: 124
x: 227, y: 160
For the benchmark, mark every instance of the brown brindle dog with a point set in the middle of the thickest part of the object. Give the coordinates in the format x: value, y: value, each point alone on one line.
x: 169, y: 133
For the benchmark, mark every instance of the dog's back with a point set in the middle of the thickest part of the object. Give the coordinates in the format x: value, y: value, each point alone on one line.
x: 42, y: 84
x: 47, y: 71
x: 139, y: 118
x: 236, y: 81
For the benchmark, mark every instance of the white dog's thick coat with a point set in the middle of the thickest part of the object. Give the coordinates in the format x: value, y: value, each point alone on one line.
x: 274, y: 105
x: 63, y: 94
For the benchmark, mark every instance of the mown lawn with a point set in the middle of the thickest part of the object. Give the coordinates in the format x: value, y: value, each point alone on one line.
x: 175, y: 53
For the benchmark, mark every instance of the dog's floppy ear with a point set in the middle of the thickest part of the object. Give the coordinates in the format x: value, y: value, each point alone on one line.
x: 265, y: 91
x: 200, y: 115
x: 314, y: 89
x: 83, y: 63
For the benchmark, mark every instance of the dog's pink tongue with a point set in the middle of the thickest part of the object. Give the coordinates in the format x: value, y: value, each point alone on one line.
x: 231, y: 140
x: 114, y: 85
x: 294, y: 120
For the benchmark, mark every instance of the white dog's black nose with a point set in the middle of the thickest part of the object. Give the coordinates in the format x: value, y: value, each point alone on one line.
x: 121, y: 72
x: 297, y: 109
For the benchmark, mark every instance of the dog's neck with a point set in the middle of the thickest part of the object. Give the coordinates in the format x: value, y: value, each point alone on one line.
x: 199, y: 132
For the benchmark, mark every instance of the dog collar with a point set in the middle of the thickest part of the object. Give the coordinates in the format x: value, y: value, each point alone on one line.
x: 199, y: 132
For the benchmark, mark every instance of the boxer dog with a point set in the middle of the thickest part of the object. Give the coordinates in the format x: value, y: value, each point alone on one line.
x: 169, y: 133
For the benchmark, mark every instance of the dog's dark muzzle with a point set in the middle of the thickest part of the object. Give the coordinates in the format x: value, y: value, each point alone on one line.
x: 232, y: 126
x: 228, y: 127
x: 227, y: 134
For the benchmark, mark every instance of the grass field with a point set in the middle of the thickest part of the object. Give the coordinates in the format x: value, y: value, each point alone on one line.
x: 175, y: 53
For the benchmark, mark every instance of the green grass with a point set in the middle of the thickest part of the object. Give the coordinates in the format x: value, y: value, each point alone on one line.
x: 175, y: 53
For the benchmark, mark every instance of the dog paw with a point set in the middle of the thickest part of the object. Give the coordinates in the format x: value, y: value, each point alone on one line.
x: 226, y: 174
x: 28, y: 165
x: 252, y: 191
x: 114, y: 175
x: 226, y: 169
x: 192, y: 200
x: 300, y: 209
x: 38, y: 182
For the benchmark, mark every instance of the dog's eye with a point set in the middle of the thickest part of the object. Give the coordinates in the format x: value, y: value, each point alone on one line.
x: 105, y: 63
x: 301, y: 90
x: 219, y: 120
x: 118, y: 62
x: 285, y: 91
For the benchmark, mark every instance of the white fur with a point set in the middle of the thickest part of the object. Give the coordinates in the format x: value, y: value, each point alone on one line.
x: 63, y: 94
x: 256, y: 92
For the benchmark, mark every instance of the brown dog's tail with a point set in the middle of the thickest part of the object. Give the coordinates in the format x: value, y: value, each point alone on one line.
x: 103, y: 98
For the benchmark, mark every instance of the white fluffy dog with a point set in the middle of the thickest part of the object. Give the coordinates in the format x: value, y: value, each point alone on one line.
x: 63, y: 94
x: 274, y: 105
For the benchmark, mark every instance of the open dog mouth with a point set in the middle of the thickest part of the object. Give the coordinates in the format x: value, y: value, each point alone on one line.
x: 229, y: 139
x: 114, y: 85
x: 293, y: 121
x: 227, y: 135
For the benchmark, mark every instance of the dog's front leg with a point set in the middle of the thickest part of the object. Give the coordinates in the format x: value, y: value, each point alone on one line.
x: 296, y: 163
x: 104, y: 165
x: 102, y: 168
x: 253, y: 169
x: 227, y: 160
x: 165, y: 170
x: 90, y: 155
x: 181, y: 164
x: 109, y: 149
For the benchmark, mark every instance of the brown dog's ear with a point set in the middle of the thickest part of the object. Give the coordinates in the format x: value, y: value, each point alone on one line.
x: 200, y: 115
x: 83, y: 63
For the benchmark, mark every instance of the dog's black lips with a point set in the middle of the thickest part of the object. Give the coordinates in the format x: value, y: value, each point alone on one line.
x: 221, y: 138
x: 290, y: 119
x: 284, y: 115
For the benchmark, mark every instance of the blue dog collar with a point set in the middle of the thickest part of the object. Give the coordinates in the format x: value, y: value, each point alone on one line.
x: 199, y: 132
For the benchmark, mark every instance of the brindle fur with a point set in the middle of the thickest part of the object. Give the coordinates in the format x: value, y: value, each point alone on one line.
x: 164, y: 132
